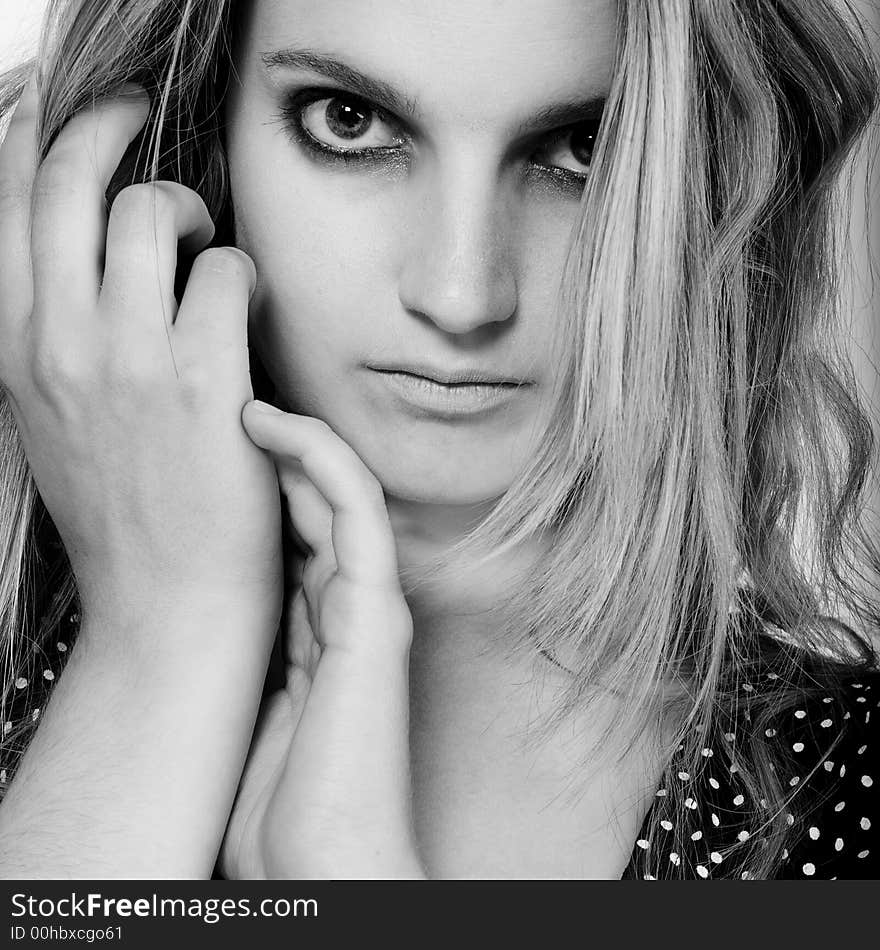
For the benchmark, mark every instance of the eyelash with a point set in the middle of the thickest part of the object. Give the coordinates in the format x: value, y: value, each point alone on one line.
x: 291, y: 114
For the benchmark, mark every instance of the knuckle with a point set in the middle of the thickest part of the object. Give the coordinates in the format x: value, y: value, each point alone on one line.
x: 54, y: 182
x: 137, y: 202
x: 373, y: 493
x: 55, y: 368
x: 195, y: 386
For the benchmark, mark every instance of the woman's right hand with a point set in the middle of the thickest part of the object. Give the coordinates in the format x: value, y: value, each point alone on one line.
x: 128, y: 407
x: 129, y: 412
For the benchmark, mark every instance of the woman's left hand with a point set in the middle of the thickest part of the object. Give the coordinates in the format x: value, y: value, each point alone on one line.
x: 326, y: 790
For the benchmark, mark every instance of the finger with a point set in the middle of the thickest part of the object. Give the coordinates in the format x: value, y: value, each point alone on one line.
x: 18, y: 166
x: 308, y: 510
x: 363, y: 542
x: 301, y: 645
x: 299, y: 682
x: 214, y: 307
x: 18, y: 163
x: 69, y: 215
x: 147, y: 222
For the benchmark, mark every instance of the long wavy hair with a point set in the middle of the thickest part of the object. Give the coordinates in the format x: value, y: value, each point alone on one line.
x: 705, y: 468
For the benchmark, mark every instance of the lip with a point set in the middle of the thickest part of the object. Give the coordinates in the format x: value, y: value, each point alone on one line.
x: 465, y: 374
x: 449, y: 394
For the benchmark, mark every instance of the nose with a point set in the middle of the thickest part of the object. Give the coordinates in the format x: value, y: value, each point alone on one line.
x: 458, y: 270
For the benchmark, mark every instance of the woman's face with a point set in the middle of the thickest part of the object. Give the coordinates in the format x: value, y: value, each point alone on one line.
x: 406, y: 174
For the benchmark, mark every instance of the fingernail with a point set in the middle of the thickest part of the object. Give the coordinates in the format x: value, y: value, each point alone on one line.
x: 261, y: 406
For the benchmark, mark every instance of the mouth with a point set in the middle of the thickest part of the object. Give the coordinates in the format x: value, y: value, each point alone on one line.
x: 449, y: 394
x: 466, y: 376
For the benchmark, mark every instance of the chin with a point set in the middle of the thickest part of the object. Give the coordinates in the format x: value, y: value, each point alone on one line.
x: 431, y: 479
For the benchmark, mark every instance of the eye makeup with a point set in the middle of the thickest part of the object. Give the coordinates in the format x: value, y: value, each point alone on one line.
x: 347, y: 116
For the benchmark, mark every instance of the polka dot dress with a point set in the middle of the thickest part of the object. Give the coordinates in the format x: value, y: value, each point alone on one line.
x: 830, y: 746
x: 831, y: 749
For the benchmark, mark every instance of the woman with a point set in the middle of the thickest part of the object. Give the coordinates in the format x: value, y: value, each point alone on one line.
x: 540, y: 301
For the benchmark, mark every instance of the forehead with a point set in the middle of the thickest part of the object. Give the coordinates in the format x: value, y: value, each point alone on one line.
x: 470, y: 53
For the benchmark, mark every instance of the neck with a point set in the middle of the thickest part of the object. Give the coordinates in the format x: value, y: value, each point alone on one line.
x: 425, y: 532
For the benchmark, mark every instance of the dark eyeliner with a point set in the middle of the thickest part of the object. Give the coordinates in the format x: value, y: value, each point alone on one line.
x: 291, y: 113
x: 566, y: 180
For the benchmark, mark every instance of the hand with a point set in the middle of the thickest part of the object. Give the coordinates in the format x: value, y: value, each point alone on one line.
x: 128, y: 406
x: 326, y: 789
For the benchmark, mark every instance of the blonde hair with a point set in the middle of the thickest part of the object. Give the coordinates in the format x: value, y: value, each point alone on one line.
x: 702, y: 412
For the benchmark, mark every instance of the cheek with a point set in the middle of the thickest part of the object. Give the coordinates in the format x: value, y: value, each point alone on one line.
x: 325, y: 256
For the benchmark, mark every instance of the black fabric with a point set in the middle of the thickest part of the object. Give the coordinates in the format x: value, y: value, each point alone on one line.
x: 832, y: 741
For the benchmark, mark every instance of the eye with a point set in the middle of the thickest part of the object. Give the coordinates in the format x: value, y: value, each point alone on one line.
x: 571, y: 149
x: 344, y: 123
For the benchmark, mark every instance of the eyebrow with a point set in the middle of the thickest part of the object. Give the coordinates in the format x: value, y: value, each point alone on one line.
x: 382, y: 93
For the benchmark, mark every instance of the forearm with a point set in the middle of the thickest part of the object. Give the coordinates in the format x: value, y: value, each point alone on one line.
x: 134, y: 767
x: 354, y: 732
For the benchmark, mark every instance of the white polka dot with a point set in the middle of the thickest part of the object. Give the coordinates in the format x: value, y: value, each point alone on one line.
x: 861, y: 699
x: 708, y: 753
x: 48, y: 675
x: 842, y: 771
x: 714, y: 783
x: 785, y: 854
x: 840, y: 806
x: 715, y: 819
x: 666, y: 825
x: 789, y: 819
x: 865, y: 824
x: 21, y: 682
x: 846, y: 715
x: 814, y: 833
x: 798, y: 747
x: 643, y: 844
x: 825, y: 723
x: 809, y: 869
x: 649, y: 877
x: 739, y: 799
x: 684, y: 776
x: 827, y: 699
x: 838, y: 844
x: 829, y: 765
x: 867, y: 781
x: 772, y: 676
x: 743, y: 836
x: 748, y: 687
x: 863, y: 854
x: 715, y: 858
x: 696, y: 836
x: 35, y: 715
x: 799, y: 714
x: 690, y: 803
x: 674, y: 858
x: 745, y: 876
x: 702, y: 871
x: 660, y: 793
x: 769, y: 733
x: 861, y: 750
x: 794, y: 780
x: 61, y: 647
x: 730, y: 736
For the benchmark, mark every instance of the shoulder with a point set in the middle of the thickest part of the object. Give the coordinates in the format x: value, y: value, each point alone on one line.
x: 830, y: 743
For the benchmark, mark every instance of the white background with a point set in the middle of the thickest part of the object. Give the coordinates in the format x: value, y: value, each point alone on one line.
x: 19, y: 22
